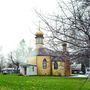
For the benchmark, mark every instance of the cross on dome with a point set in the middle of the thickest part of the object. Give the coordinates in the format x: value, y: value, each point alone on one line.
x: 39, y: 32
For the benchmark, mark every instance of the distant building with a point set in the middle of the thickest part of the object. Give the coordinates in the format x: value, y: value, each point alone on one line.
x: 76, y: 68
x: 46, y: 61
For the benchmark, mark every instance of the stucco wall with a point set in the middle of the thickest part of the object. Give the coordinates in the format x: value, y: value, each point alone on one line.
x: 32, y: 60
x: 40, y: 69
x: 61, y: 69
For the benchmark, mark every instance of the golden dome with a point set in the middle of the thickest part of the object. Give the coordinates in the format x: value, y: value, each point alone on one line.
x: 39, y: 33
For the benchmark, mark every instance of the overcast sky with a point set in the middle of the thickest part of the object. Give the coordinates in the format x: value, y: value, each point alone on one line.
x: 18, y: 20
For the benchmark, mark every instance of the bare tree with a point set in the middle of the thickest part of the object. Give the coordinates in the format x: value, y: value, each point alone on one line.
x: 20, y: 55
x: 2, y: 62
x: 13, y: 62
x: 72, y: 27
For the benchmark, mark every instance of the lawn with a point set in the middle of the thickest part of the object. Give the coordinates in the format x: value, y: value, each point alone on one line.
x: 13, y: 82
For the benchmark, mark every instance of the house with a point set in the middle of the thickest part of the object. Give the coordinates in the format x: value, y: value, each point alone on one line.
x: 46, y: 61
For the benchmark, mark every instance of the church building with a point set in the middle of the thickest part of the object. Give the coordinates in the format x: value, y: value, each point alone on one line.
x: 44, y: 61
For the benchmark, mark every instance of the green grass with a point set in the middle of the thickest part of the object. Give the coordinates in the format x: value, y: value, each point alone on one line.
x: 13, y: 82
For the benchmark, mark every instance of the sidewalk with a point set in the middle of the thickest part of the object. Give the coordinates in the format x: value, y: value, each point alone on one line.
x: 80, y: 76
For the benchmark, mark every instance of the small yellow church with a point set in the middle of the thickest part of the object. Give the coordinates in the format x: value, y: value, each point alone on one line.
x: 44, y: 61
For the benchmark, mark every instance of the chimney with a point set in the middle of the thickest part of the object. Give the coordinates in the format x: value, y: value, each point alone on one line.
x: 64, y: 45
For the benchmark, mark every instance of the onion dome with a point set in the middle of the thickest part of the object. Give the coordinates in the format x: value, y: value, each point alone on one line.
x: 39, y: 34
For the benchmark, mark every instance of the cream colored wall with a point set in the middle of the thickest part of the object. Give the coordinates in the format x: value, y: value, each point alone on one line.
x: 32, y: 60
x: 61, y: 69
x: 40, y: 69
x: 39, y: 46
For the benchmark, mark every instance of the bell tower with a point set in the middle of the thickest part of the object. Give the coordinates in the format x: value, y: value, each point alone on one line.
x: 39, y: 38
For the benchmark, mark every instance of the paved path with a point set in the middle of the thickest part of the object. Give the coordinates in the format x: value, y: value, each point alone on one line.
x: 80, y: 76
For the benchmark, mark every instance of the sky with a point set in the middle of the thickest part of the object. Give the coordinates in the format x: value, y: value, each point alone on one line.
x: 18, y: 20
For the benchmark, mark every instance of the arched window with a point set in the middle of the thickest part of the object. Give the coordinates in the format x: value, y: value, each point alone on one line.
x: 55, y: 65
x: 44, y: 64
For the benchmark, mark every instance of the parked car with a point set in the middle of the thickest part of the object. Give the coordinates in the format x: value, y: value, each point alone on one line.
x: 8, y: 70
